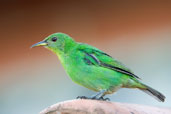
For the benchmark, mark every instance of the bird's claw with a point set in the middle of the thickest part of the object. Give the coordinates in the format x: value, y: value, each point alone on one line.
x: 104, y: 99
x: 93, y: 98
x: 82, y: 97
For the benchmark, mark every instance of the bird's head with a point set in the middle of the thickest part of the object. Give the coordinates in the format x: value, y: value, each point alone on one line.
x: 57, y: 42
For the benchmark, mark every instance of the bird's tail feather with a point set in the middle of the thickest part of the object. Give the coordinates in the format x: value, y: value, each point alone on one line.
x: 154, y: 93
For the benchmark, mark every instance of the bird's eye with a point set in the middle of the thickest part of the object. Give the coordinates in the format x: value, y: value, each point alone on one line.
x: 54, y: 39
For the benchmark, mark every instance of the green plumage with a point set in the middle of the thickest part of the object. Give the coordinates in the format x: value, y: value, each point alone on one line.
x: 92, y: 68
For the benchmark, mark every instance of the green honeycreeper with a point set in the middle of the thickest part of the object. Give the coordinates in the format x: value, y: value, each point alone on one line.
x: 94, y: 69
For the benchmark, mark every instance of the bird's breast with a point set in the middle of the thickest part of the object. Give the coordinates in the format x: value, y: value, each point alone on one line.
x: 75, y: 67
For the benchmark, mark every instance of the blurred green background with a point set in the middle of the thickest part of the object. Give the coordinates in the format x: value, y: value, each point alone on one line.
x: 138, y: 33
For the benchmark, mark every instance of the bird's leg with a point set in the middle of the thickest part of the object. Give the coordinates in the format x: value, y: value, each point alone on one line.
x: 98, y: 96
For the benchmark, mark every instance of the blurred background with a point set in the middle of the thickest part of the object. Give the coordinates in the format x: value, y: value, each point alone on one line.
x: 138, y: 33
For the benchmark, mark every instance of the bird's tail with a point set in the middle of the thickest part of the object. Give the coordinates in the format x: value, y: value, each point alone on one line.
x: 154, y: 93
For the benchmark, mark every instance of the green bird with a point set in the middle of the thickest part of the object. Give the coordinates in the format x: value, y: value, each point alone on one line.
x: 94, y: 69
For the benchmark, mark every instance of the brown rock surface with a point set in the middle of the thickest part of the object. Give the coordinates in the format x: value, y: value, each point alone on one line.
x: 82, y: 106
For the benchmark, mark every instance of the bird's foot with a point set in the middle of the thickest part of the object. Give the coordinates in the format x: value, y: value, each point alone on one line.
x: 82, y: 97
x: 104, y: 99
x: 93, y: 98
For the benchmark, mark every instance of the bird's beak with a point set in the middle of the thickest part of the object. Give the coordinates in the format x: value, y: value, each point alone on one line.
x: 41, y: 43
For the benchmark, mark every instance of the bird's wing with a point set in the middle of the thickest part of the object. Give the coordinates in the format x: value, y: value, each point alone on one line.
x: 94, y: 56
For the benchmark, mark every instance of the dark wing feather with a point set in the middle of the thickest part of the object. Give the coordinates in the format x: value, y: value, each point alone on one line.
x: 119, y: 70
x: 99, y: 58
